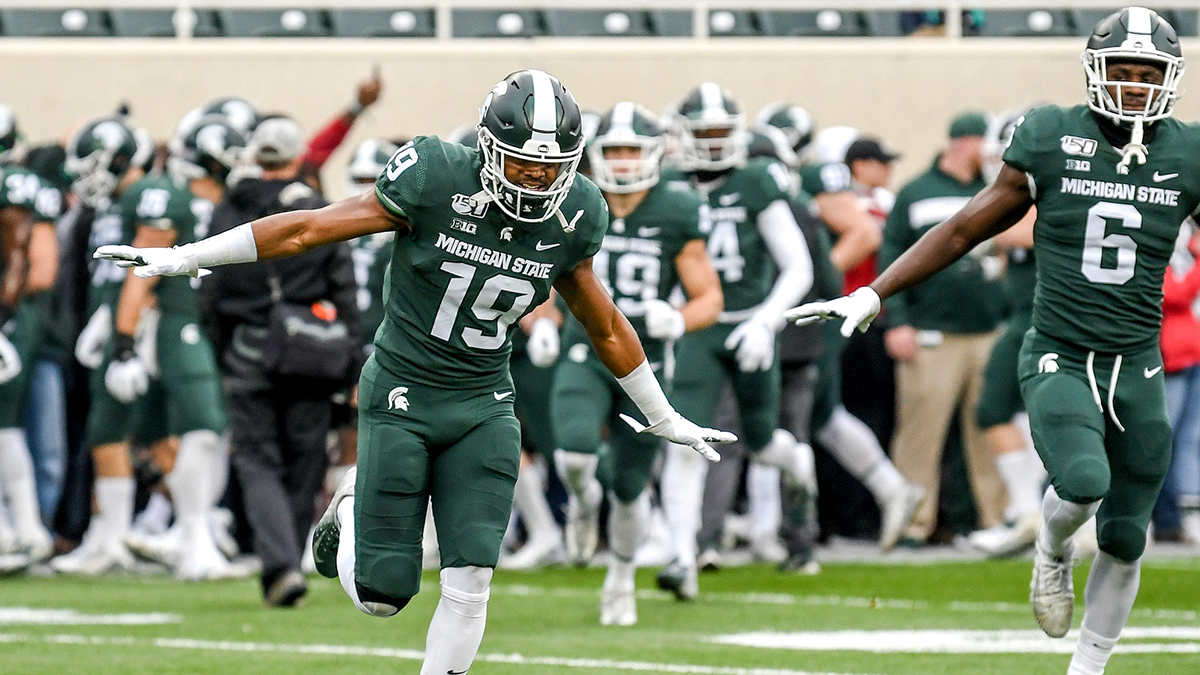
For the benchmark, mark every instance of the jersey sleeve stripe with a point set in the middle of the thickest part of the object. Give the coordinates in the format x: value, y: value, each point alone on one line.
x: 388, y: 204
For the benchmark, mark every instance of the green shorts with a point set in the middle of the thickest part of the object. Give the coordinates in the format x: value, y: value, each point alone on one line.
x: 703, y: 364
x: 189, y: 382
x: 586, y: 400
x: 1000, y: 399
x: 31, y: 327
x: 459, y: 448
x: 1100, y: 425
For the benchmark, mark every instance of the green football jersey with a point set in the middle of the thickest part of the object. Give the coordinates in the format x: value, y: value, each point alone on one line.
x: 636, y: 261
x: 819, y: 179
x: 23, y: 189
x: 737, y: 249
x: 1103, y: 239
x: 371, y: 255
x: 465, y: 274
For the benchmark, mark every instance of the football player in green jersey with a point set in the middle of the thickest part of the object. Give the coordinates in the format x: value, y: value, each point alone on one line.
x: 655, y: 241
x: 764, y: 265
x: 1107, y: 180
x: 24, y: 323
x: 481, y: 236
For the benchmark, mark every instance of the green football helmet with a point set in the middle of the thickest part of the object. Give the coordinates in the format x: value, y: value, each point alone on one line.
x: 701, y: 118
x: 529, y: 116
x: 99, y: 154
x: 369, y: 160
x: 1133, y: 34
x: 626, y: 125
x: 212, y: 149
x: 238, y: 112
x: 8, y: 134
x: 796, y: 124
x: 999, y: 134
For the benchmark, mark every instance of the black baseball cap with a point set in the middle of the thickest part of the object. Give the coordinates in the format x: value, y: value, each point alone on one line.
x: 870, y: 148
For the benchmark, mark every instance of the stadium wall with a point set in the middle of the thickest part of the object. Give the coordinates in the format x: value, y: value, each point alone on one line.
x: 903, y: 90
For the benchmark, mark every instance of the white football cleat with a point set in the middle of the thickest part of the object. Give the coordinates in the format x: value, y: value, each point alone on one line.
x: 680, y: 579
x: 618, y: 605
x: 94, y: 556
x: 897, y: 512
x: 582, y: 531
x: 163, y: 548
x: 1052, y: 593
x: 1005, y: 540
x: 536, y: 553
x: 199, y: 557
x: 220, y: 524
x: 768, y: 549
x: 37, y: 544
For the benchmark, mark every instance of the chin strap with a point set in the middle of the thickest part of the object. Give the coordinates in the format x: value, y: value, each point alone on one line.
x: 1133, y: 149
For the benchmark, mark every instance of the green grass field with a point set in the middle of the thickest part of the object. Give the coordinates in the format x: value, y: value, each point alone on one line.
x: 547, y: 622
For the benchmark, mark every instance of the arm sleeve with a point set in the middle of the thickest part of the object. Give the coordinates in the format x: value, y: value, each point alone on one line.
x: 327, y: 140
x: 897, y: 237
x: 401, y: 185
x: 790, y: 252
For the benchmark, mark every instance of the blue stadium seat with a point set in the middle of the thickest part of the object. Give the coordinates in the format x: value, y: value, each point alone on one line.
x: 382, y: 22
x: 483, y: 23
x: 598, y: 23
x: 1023, y: 23
x: 274, y: 22
x: 161, y: 23
x: 55, y: 23
x: 824, y: 22
x: 734, y: 23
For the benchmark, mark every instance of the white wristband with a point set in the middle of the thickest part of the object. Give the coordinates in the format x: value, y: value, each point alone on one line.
x: 643, y: 389
x: 235, y: 246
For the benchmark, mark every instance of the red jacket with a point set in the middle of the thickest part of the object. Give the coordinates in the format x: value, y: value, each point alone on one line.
x: 1180, y: 329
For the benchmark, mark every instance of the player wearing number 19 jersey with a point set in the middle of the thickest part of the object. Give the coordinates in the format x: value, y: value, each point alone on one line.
x: 481, y: 236
x: 1112, y: 181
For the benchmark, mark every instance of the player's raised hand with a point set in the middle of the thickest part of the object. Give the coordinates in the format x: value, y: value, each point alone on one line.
x: 678, y: 429
x: 856, y: 310
x: 153, y: 262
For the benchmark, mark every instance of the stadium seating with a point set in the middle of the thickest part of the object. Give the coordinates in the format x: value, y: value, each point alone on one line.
x: 472, y: 23
x: 161, y: 23
x: 734, y: 23
x: 598, y: 23
x: 55, y: 23
x: 1183, y: 20
x: 1023, y: 23
x: 382, y: 22
x: 825, y: 22
x: 274, y: 22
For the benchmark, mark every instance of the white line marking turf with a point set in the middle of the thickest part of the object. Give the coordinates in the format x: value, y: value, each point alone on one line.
x: 70, y: 617
x: 959, y: 641
x: 403, y: 654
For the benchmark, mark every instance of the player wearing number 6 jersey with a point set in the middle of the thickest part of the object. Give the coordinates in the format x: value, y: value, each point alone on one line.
x: 1111, y: 180
x: 481, y: 236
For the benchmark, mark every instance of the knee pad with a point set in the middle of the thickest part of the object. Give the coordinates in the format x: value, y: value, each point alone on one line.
x: 1084, y: 480
x: 379, y: 605
x: 576, y: 469
x: 1123, y: 539
x: 467, y: 588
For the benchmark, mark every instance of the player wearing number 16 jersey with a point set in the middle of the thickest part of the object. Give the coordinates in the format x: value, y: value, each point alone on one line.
x: 481, y: 236
x: 1112, y: 181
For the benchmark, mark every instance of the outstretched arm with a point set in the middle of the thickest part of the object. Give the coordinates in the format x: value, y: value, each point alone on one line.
x: 276, y: 236
x: 618, y: 348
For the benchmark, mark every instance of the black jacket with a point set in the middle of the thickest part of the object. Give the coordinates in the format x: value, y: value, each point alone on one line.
x: 241, y: 294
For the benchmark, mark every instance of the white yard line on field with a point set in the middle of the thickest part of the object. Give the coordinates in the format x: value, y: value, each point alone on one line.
x: 787, y: 599
x: 70, y: 617
x: 403, y: 654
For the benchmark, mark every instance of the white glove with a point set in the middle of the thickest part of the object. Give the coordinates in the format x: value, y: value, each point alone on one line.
x: 152, y: 262
x: 857, y: 310
x: 146, y: 338
x: 127, y: 380
x: 678, y: 429
x: 543, y: 343
x: 754, y: 340
x: 663, y: 322
x: 93, y: 339
x: 10, y: 360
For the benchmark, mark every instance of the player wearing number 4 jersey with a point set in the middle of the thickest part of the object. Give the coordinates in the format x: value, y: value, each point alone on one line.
x: 481, y: 236
x: 1111, y: 185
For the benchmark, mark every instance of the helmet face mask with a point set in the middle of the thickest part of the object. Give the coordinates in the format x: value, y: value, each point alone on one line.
x: 1132, y: 36
x: 99, y: 155
x: 213, y: 148
x: 529, y: 117
x: 712, y: 130
x: 626, y: 126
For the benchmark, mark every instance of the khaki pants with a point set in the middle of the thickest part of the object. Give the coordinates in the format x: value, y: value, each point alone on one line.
x: 929, y: 388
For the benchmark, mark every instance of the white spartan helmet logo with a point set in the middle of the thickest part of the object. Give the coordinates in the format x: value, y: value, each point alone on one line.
x: 1048, y: 363
x: 397, y: 399
x: 506, y: 234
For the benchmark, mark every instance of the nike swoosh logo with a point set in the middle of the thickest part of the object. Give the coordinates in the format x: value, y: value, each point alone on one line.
x: 500, y: 397
x: 1149, y: 373
x: 726, y: 200
x: 1160, y: 177
x: 544, y: 247
x: 462, y: 672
